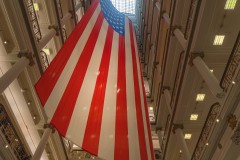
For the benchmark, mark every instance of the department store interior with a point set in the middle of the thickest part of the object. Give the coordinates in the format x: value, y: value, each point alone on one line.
x: 190, y: 57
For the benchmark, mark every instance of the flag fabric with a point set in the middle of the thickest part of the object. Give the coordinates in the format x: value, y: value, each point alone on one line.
x: 93, y: 91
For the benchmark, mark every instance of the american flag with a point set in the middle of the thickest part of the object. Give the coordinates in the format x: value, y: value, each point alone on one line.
x: 93, y: 91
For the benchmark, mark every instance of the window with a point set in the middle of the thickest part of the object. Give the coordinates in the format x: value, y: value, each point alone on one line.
x: 125, y: 6
x: 230, y: 4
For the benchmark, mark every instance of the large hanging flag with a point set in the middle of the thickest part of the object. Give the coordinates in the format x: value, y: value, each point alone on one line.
x: 93, y: 90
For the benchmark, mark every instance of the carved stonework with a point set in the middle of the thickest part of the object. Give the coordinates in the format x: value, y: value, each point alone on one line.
x: 232, y: 66
x: 236, y: 136
x: 232, y: 121
x: 44, y: 59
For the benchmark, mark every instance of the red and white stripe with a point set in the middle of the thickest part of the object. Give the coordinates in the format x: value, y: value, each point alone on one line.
x: 93, y: 91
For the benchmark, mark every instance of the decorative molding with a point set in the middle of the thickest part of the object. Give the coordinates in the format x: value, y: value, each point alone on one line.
x: 206, y: 131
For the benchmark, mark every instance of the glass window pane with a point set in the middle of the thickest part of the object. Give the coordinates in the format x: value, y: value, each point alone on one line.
x: 125, y: 6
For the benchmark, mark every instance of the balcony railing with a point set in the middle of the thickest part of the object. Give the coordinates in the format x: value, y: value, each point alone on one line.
x: 59, y: 8
x: 190, y: 18
x: 33, y: 19
x: 177, y: 78
x: 11, y: 136
x: 206, y: 131
x: 166, y: 131
x: 232, y: 66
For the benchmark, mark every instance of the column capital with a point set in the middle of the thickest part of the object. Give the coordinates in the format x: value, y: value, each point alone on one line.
x: 47, y: 125
x: 194, y: 55
x: 173, y: 28
x: 232, y: 121
x: 162, y: 13
x: 28, y: 55
x: 165, y: 87
x: 155, y: 64
x: 55, y: 28
x: 177, y: 126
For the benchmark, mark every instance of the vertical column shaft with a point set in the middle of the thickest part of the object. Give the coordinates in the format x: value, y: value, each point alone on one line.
x: 177, y: 32
x: 13, y: 73
x: 182, y: 143
x: 65, y: 18
x: 40, y: 148
x: 158, y: 5
x: 208, y: 76
x: 166, y: 18
x: 46, y: 38
x: 179, y: 35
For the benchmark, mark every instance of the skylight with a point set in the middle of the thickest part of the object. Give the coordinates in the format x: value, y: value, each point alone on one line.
x: 188, y: 136
x: 125, y: 6
x: 194, y: 117
x: 218, y: 39
x: 230, y: 4
x: 200, y: 97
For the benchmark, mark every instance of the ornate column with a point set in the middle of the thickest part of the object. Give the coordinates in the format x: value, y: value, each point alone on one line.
x: 208, y: 76
x: 16, y: 69
x: 176, y: 31
x: 167, y: 96
x: 53, y: 30
x: 78, y: 6
x: 166, y: 18
x: 180, y: 36
x: 177, y: 130
x: 41, y: 146
x: 9, y: 58
x: 158, y: 5
x: 160, y: 135
x: 66, y: 18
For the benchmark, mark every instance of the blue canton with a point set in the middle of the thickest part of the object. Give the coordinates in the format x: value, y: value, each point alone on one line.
x: 115, y: 18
